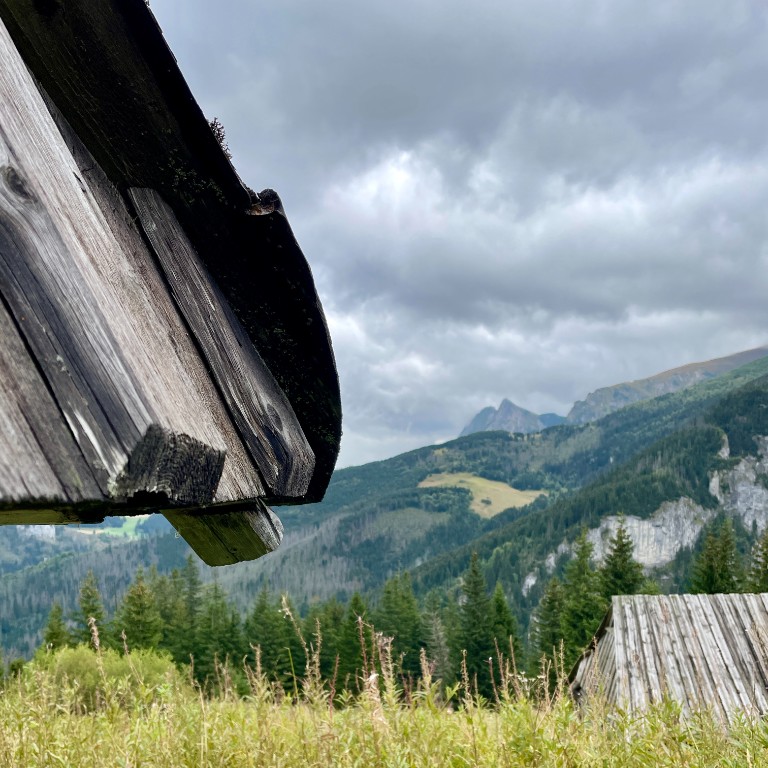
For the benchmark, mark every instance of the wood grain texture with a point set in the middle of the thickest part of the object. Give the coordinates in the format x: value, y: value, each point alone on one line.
x: 181, y: 383
x: 39, y: 458
x: 227, y: 538
x: 91, y: 307
x: 706, y: 652
x: 264, y: 417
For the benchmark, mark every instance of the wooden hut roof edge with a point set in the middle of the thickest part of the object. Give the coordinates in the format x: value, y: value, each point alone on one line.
x: 704, y: 651
x: 107, y: 68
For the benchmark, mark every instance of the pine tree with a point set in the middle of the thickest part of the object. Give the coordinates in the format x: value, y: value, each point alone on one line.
x: 504, y: 625
x: 584, y: 605
x: 56, y: 634
x: 758, y: 572
x: 398, y: 616
x: 138, y: 615
x: 547, y: 626
x: 476, y: 633
x: 354, y: 632
x: 620, y: 573
x: 717, y: 568
x: 90, y: 607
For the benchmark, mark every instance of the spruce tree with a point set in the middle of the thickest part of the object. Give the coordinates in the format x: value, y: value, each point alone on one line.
x: 717, y: 569
x: 138, y: 615
x: 584, y: 605
x: 330, y: 618
x: 267, y: 627
x: 547, y: 626
x: 355, y: 638
x: 90, y: 607
x: 219, y: 635
x: 758, y: 572
x: 56, y: 635
x: 620, y: 573
x: 476, y: 632
x: 398, y: 616
x: 504, y: 626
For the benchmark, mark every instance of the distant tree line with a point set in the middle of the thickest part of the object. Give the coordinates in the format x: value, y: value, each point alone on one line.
x: 466, y: 633
x: 197, y: 626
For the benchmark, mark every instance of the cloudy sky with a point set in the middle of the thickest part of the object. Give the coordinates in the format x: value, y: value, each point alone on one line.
x: 522, y: 198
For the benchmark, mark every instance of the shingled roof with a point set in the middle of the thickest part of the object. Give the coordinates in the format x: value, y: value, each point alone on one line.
x: 706, y: 652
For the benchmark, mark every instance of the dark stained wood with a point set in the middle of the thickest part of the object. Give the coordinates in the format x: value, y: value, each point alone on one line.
x: 110, y: 72
x: 227, y: 538
x: 264, y: 417
x: 180, y: 365
x: 178, y: 467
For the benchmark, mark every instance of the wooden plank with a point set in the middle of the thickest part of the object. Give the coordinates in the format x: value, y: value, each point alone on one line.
x: 674, y: 681
x: 648, y: 651
x: 694, y: 669
x: 225, y: 538
x: 110, y: 71
x: 709, y: 658
x: 259, y: 408
x: 40, y: 458
x: 638, y: 690
x: 61, y: 319
x: 757, y: 629
x: 724, y: 637
x: 176, y: 378
x: 738, y: 618
x: 92, y: 307
x: 622, y: 674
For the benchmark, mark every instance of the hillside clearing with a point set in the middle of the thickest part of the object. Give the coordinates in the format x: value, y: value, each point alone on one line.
x: 489, y: 497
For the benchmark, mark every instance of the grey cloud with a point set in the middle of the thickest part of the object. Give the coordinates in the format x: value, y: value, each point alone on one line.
x: 524, y: 200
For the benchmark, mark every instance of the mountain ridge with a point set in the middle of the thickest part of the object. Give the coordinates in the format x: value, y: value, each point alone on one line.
x: 605, y: 400
x: 381, y: 518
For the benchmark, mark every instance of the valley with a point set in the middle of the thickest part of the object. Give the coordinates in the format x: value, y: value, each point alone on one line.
x: 518, y: 500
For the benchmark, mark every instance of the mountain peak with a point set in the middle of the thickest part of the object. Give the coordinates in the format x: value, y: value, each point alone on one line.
x: 510, y: 418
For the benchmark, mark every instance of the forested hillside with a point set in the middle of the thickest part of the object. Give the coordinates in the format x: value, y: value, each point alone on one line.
x: 377, y: 521
x: 677, y: 465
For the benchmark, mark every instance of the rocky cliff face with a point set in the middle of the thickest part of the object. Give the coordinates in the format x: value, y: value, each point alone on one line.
x: 741, y: 492
x: 676, y: 524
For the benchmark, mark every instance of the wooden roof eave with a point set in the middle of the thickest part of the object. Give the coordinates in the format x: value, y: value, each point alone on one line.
x: 109, y: 71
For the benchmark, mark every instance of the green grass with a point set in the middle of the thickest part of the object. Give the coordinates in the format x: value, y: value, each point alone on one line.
x: 489, y: 497
x: 127, y: 528
x: 142, y: 718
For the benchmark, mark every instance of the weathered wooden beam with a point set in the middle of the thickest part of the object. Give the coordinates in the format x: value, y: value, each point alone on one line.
x: 259, y: 408
x: 226, y: 538
x: 182, y: 364
x: 45, y: 462
x: 92, y: 309
x: 110, y: 72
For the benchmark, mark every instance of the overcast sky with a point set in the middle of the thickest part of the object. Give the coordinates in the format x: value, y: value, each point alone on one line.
x: 522, y: 198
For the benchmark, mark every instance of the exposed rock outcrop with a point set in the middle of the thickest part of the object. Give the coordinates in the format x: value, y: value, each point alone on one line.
x: 741, y: 491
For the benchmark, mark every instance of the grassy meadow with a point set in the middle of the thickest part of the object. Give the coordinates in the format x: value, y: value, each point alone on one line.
x: 81, y: 708
x: 489, y: 497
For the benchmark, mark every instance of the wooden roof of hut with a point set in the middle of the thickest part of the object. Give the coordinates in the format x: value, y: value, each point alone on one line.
x: 162, y: 346
x: 706, y: 652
